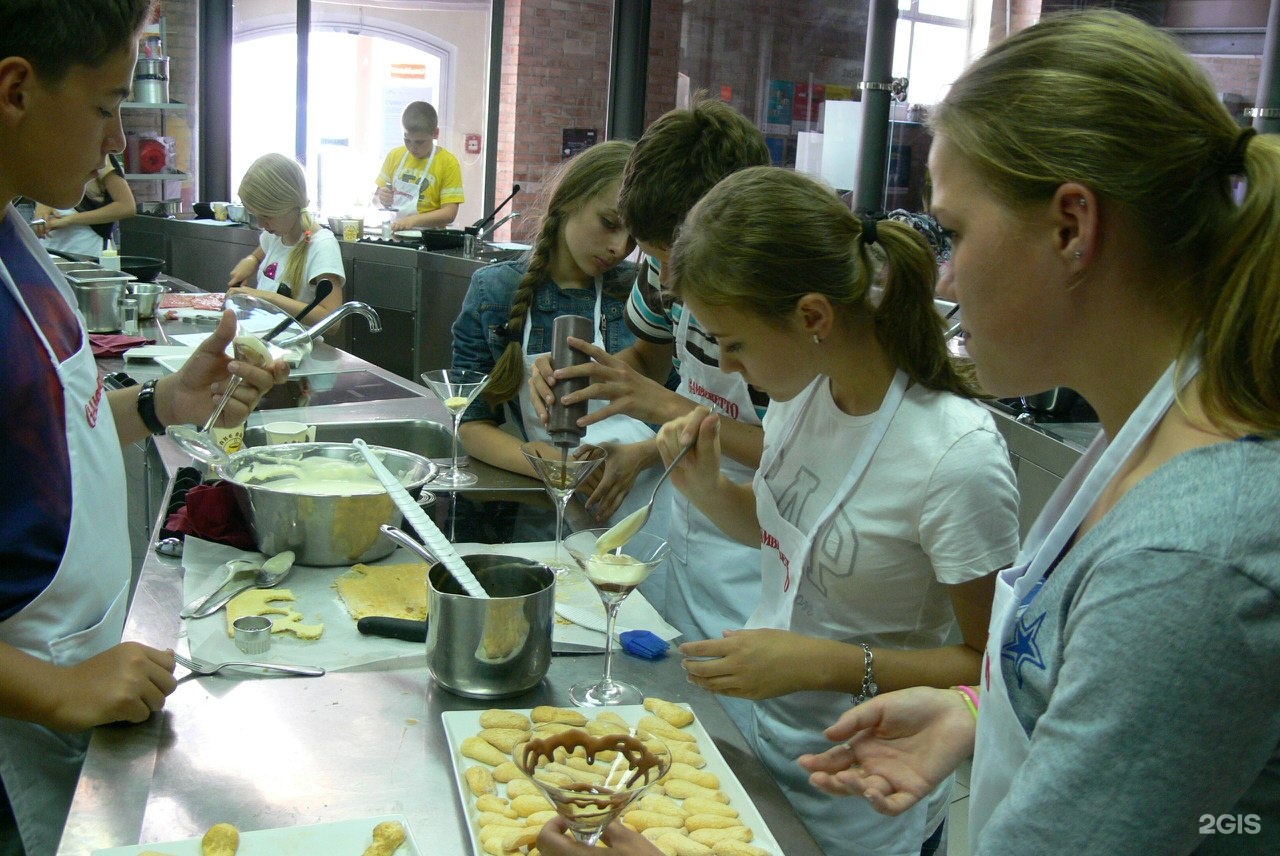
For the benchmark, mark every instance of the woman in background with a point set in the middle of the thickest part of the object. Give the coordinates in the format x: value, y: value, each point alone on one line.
x: 86, y: 228
x: 293, y: 253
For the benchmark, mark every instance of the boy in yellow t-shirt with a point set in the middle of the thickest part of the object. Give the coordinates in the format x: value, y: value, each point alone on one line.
x: 420, y: 180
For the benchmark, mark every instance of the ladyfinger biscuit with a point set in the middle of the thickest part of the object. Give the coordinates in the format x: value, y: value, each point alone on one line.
x: 495, y: 803
x: 683, y: 789
x: 495, y: 718
x: 709, y: 837
x: 538, y: 818
x: 528, y: 804
x: 710, y: 821
x: 641, y: 820
x: 492, y: 818
x: 704, y: 778
x: 731, y: 847
x: 613, y: 717
x: 507, y: 771
x: 681, y: 845
x: 669, y: 711
x: 525, y: 838
x: 480, y: 781
x: 698, y: 805
x: 522, y: 786
x: 683, y: 753
x: 662, y: 804
x: 479, y: 749
x: 542, y: 729
x: 504, y: 739
x: 664, y: 730
x: 547, y: 713
x: 574, y: 774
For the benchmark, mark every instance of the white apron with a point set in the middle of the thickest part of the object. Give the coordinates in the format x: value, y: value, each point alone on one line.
x: 714, y: 583
x: 75, y: 238
x: 616, y: 429
x: 81, y: 613
x: 786, y: 727
x: 404, y: 194
x: 1002, y: 743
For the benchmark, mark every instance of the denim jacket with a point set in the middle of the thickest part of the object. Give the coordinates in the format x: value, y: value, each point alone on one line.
x: 479, y: 333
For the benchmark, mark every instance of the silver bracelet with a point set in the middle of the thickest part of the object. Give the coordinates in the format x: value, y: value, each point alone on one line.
x: 869, y: 688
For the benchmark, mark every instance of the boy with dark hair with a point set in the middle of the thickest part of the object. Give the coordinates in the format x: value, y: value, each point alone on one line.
x: 714, y: 582
x: 65, y: 66
x: 421, y: 180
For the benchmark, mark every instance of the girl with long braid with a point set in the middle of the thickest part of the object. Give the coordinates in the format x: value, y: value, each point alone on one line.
x: 576, y: 266
x: 293, y: 250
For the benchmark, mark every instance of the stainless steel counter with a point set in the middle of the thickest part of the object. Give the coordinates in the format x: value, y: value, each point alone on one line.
x: 271, y: 752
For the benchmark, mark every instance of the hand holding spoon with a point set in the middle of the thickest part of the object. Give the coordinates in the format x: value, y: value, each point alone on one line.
x: 622, y: 531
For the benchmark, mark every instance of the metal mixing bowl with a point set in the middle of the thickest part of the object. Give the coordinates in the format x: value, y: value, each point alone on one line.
x: 322, y: 528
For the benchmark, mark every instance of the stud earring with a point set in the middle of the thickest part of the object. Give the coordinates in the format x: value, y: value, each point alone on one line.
x: 1079, y: 254
x: 816, y: 340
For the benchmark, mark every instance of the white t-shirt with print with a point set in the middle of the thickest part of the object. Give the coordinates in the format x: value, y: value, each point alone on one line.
x: 323, y: 257
x: 936, y: 506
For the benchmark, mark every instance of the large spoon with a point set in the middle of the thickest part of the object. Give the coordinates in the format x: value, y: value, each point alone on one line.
x: 622, y: 531
x: 234, y: 567
x: 270, y: 575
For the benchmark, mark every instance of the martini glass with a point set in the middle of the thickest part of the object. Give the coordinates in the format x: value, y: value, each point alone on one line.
x: 457, y: 388
x: 561, y: 475
x: 624, y: 768
x: 615, y: 575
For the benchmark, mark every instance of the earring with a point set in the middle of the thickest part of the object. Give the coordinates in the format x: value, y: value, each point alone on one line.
x: 816, y: 340
x: 1082, y: 202
x: 1079, y: 254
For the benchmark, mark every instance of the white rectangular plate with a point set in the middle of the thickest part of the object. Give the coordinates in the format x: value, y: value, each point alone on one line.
x: 461, y: 724
x: 341, y: 838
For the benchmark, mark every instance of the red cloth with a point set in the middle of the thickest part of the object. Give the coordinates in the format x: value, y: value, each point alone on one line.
x: 212, y: 513
x: 115, y: 344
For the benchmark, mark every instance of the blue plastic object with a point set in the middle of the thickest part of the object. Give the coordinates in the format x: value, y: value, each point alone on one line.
x: 643, y: 644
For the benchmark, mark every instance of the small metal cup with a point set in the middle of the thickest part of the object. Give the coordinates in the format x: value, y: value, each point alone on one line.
x: 252, y: 634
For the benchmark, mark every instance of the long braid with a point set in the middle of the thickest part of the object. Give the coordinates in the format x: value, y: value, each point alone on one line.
x: 508, y: 372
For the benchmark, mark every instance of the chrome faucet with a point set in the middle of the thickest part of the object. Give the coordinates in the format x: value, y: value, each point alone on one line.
x: 351, y: 307
x: 487, y: 232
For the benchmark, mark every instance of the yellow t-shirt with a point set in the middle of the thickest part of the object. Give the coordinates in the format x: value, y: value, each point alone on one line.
x: 442, y: 185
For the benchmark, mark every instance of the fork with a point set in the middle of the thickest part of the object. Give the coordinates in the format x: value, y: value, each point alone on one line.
x: 199, y: 667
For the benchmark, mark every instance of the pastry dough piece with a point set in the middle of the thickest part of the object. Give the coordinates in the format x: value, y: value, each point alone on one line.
x: 569, y: 716
x: 387, y: 838
x: 709, y: 837
x: 398, y: 591
x: 683, y: 789
x: 480, y: 781
x: 663, y: 730
x: 222, y: 839
x: 496, y: 718
x: 733, y: 847
x: 291, y: 622
x: 699, y: 805
x: 504, y: 739
x: 269, y: 602
x: 479, y: 749
x: 669, y: 711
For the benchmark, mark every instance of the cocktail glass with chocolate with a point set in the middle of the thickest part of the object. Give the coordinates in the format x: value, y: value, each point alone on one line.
x: 561, y: 475
x: 592, y: 779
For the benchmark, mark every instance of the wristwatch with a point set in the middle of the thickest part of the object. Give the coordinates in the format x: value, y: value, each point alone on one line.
x: 869, y: 688
x: 147, y: 408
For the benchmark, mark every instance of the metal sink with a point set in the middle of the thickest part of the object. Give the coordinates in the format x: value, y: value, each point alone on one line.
x: 421, y: 436
x: 496, y: 255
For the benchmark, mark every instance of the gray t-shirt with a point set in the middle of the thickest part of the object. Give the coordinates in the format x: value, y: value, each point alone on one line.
x: 1147, y: 672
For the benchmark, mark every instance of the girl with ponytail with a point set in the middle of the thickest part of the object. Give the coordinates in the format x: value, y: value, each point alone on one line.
x: 294, y: 253
x: 576, y: 266
x: 884, y: 501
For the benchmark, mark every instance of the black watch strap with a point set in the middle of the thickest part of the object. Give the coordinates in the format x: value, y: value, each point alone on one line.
x: 147, y: 408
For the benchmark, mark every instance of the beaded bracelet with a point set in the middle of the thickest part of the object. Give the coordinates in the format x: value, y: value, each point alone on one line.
x: 970, y: 696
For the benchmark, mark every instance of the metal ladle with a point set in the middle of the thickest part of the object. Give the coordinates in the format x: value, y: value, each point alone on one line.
x: 270, y: 575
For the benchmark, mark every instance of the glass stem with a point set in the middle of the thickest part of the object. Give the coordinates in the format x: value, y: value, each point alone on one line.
x: 457, y: 423
x: 611, y: 615
x: 561, y: 503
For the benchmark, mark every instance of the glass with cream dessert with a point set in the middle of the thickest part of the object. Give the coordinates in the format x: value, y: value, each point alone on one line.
x: 615, y: 574
x: 457, y: 388
x: 591, y: 780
